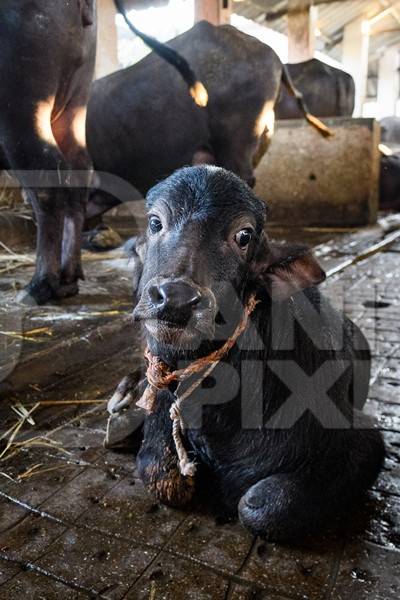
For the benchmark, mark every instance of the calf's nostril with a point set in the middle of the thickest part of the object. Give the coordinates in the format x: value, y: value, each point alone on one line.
x: 195, y: 299
x: 156, y: 296
x: 175, y: 295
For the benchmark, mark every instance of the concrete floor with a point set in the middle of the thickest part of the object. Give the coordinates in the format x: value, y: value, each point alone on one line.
x: 75, y: 520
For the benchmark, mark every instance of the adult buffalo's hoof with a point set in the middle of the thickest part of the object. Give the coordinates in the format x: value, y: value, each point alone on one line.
x: 26, y: 298
x: 100, y: 239
x: 66, y: 290
x: 44, y: 291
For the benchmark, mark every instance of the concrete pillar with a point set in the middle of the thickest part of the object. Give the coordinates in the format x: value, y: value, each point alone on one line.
x: 301, y: 18
x: 217, y: 12
x: 107, y: 39
x: 355, y: 58
x: 388, y: 83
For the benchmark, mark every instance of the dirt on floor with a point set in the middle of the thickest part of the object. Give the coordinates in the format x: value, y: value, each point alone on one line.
x: 75, y: 519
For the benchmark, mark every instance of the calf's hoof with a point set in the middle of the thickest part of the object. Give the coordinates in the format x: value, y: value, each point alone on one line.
x: 172, y: 488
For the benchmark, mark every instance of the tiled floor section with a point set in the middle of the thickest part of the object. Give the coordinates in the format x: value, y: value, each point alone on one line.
x: 87, y: 528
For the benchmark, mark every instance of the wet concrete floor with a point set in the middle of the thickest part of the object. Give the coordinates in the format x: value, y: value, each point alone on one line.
x: 75, y: 520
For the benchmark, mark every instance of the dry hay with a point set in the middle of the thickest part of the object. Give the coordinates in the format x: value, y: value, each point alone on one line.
x: 12, y: 261
x: 14, y: 443
x: 10, y: 196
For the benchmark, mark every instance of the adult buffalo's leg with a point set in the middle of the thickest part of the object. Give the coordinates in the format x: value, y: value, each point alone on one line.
x: 43, y: 172
x: 204, y: 156
x: 98, y: 204
x: 235, y: 153
x: 71, y: 265
x: 157, y: 460
x: 69, y: 132
x: 97, y: 236
x: 290, y: 505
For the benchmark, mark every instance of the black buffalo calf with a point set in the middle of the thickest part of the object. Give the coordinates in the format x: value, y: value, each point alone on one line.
x: 276, y: 430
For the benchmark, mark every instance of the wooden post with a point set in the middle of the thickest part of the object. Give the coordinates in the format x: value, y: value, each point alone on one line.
x: 107, y: 39
x: 217, y: 12
x: 301, y: 18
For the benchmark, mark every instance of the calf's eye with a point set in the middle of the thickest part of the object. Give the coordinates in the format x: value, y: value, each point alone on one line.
x: 155, y: 224
x: 243, y: 238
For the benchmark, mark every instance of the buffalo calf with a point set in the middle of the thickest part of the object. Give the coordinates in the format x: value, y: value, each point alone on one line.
x: 277, y: 430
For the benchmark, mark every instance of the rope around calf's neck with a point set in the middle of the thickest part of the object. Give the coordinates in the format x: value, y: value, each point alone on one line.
x: 159, y: 377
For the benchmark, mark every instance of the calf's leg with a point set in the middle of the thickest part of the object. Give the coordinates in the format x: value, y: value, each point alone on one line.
x: 157, y: 460
x: 281, y: 507
x: 291, y: 505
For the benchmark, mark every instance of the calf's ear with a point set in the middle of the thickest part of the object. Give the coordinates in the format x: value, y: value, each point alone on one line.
x: 135, y: 248
x: 287, y: 269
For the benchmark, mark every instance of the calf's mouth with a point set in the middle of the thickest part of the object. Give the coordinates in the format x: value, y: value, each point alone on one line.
x: 177, y: 311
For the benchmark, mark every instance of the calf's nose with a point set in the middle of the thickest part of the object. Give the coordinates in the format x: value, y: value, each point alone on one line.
x: 174, y: 295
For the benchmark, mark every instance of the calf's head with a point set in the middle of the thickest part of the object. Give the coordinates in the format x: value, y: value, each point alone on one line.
x: 204, y: 249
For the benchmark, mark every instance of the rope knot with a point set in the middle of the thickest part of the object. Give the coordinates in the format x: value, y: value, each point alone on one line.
x: 158, y: 373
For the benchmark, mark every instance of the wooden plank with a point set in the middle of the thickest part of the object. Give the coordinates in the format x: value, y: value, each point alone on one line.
x: 216, y: 12
x: 301, y: 30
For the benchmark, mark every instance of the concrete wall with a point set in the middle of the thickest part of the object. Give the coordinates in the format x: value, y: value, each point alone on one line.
x: 310, y: 180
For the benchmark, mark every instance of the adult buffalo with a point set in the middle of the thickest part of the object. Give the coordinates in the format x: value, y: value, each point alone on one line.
x: 327, y: 91
x: 275, y: 432
x: 389, y: 182
x: 142, y: 126
x: 390, y: 164
x: 47, y: 54
x: 390, y: 130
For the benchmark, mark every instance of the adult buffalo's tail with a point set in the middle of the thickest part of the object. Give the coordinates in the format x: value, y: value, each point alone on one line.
x: 293, y: 91
x: 196, y: 88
